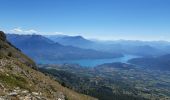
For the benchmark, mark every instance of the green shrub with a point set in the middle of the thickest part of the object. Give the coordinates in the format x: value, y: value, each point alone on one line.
x: 10, y: 54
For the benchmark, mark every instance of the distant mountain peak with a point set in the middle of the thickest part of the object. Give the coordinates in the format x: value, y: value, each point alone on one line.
x: 76, y: 41
x: 78, y: 36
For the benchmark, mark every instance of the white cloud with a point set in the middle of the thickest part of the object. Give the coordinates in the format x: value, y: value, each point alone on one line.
x: 19, y: 30
x: 31, y: 31
x: 59, y: 33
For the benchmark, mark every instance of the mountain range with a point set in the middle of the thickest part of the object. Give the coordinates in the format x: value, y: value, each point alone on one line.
x: 132, y: 47
x: 43, y: 49
x: 77, y: 41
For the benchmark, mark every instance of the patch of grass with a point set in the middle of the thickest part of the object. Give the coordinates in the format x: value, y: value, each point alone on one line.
x: 13, y: 81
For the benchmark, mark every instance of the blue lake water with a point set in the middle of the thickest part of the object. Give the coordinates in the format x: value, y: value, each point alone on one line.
x: 92, y: 62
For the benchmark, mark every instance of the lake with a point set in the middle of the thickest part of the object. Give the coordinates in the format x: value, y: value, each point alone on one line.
x: 91, y: 62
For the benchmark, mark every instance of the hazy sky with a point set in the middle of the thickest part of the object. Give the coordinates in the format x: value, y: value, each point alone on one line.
x: 103, y: 19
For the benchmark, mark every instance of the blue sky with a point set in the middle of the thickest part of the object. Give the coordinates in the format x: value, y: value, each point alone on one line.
x: 102, y: 19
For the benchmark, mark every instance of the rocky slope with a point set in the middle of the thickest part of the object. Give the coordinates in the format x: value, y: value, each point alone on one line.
x: 20, y: 79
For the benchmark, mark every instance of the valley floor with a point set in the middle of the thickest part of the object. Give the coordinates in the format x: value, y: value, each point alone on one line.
x: 115, y: 81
